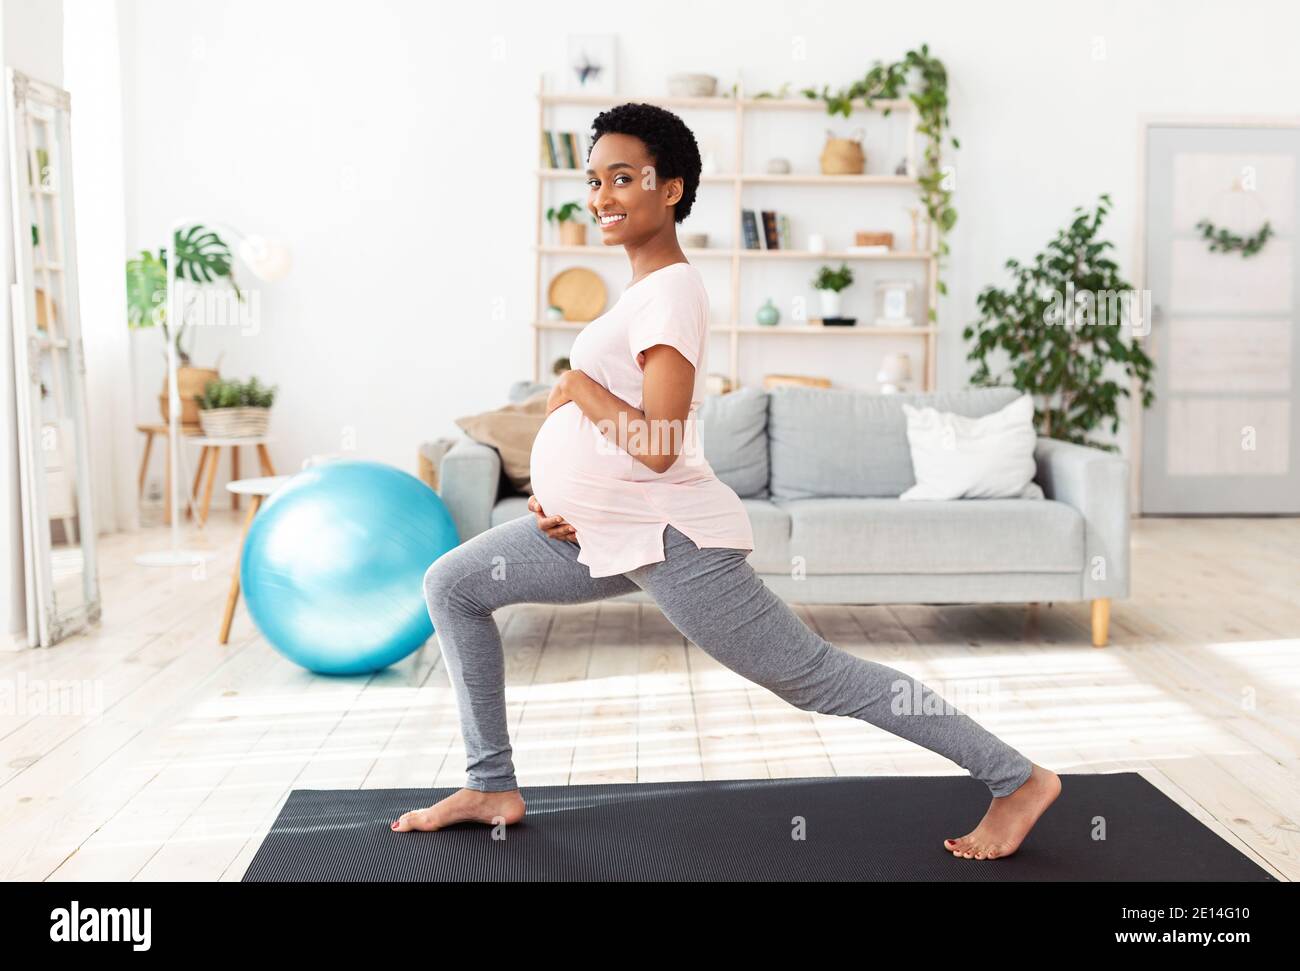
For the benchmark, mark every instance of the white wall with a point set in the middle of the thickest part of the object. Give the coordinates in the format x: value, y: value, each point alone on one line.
x: 392, y: 145
x: 31, y: 36
x: 93, y: 79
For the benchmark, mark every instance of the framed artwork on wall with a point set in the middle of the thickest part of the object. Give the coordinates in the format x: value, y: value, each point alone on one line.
x: 590, y: 65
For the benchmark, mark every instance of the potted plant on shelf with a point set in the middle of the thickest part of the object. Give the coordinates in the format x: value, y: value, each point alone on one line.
x: 573, y: 230
x: 235, y: 409
x: 831, y: 282
x: 202, y: 258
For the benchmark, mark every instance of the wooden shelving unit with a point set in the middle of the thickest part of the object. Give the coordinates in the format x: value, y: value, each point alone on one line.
x: 742, y: 107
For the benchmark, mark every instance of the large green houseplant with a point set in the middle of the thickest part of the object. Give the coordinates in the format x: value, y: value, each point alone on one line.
x: 1053, y: 334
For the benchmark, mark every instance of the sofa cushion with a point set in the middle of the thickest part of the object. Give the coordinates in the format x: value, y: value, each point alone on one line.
x: 943, y: 536
x: 508, y: 508
x: 511, y: 430
x: 888, y: 536
x: 973, y: 458
x: 733, y: 430
x: 771, y: 526
x: 839, y: 442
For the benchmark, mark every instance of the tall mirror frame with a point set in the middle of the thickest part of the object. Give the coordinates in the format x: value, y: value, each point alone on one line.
x: 50, y: 368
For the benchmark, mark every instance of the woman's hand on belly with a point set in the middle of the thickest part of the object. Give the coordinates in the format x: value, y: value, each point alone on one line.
x: 559, y: 394
x: 553, y: 526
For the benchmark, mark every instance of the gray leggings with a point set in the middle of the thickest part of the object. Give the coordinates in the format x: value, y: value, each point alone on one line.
x: 714, y: 598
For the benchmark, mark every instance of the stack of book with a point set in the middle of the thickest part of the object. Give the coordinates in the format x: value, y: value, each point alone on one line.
x: 564, y: 149
x: 765, y: 229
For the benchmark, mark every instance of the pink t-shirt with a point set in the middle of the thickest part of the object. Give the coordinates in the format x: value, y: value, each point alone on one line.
x: 618, y: 507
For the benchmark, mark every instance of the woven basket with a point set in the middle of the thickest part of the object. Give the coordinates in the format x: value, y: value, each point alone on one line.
x: 843, y: 156
x: 234, y: 422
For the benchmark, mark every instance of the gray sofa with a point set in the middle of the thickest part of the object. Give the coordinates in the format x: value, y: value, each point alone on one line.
x: 820, y: 470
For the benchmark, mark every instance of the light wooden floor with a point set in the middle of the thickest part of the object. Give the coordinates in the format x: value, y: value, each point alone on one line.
x: 176, y: 759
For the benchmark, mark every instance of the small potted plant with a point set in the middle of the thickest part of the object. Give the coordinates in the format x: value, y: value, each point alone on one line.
x: 235, y: 409
x: 573, y: 230
x: 831, y: 282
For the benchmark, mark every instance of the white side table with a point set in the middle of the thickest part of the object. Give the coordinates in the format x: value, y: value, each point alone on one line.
x: 257, y: 489
x: 210, y: 456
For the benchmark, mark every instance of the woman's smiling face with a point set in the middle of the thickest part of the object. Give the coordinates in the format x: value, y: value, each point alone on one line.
x: 629, y: 202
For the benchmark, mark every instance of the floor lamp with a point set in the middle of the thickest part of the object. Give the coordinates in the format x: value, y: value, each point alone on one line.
x: 268, y: 261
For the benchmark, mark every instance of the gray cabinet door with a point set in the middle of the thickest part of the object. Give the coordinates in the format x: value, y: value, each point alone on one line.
x: 1224, y: 434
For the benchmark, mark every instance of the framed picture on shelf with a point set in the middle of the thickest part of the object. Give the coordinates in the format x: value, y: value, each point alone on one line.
x: 590, y: 65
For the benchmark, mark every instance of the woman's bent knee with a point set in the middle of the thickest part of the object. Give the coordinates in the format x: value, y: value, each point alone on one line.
x: 440, y: 584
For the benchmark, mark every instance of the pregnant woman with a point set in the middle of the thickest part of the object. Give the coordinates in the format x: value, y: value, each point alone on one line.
x: 623, y: 499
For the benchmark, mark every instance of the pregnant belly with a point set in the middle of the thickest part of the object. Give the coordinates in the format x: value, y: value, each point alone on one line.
x: 573, y: 467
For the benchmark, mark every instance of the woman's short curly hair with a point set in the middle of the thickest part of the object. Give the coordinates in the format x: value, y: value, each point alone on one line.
x: 670, y: 143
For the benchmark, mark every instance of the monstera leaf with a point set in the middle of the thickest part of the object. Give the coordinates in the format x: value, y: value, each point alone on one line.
x: 146, y: 290
x: 202, y: 256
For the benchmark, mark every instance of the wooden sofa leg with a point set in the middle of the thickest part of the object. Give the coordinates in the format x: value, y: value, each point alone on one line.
x: 1100, y: 621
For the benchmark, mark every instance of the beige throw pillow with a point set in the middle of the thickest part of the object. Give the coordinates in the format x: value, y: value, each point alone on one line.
x: 510, y: 430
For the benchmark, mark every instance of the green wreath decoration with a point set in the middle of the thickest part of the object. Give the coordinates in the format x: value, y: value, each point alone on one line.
x: 1222, y: 241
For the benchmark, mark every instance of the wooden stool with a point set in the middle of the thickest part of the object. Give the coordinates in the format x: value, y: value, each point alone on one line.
x: 150, y: 430
x: 210, y: 456
x: 258, y: 489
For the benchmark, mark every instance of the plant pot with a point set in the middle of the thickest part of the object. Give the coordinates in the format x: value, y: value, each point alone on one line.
x: 830, y: 303
x: 190, y: 382
x: 573, y: 233
x: 235, y: 422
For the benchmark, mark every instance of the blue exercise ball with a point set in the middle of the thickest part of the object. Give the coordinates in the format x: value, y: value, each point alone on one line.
x: 334, y: 562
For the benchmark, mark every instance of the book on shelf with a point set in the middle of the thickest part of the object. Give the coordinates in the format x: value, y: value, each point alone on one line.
x: 765, y: 230
x: 564, y: 149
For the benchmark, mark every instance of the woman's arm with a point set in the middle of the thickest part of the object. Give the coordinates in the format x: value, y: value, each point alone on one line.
x: 652, y: 436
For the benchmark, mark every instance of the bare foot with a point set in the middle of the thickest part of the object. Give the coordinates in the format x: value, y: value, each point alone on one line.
x: 465, y: 805
x: 1009, y: 819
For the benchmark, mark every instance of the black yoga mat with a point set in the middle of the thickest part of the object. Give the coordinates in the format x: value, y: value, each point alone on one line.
x: 853, y: 828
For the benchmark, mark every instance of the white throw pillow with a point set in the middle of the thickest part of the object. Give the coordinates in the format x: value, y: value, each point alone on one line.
x: 955, y: 457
